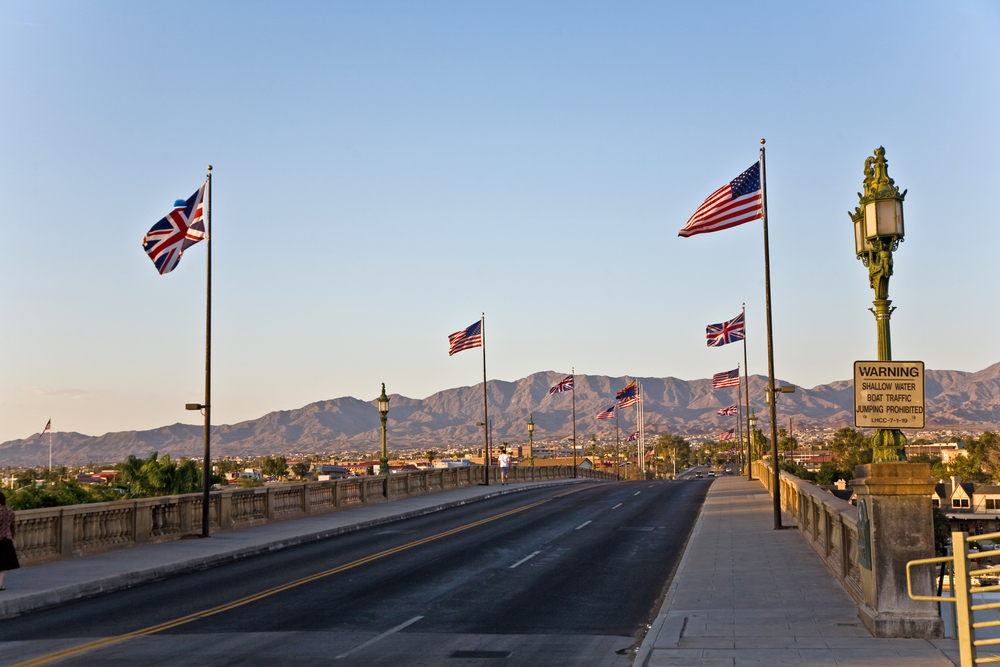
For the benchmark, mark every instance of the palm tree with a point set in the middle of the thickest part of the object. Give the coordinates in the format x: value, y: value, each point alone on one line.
x: 431, y: 455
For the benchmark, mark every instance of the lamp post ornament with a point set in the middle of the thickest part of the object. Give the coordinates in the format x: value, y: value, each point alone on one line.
x: 383, y: 411
x: 878, y: 231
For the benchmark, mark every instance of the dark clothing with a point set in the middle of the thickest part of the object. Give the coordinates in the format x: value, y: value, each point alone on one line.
x: 8, y: 557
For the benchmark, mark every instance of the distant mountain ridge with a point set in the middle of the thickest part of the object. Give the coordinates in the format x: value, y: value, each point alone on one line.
x: 954, y: 399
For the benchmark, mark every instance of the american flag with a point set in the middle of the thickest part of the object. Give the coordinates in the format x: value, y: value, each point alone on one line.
x: 633, y: 437
x: 48, y: 427
x: 732, y: 452
x: 607, y: 414
x: 167, y: 240
x: 733, y: 204
x: 565, y: 385
x: 725, y: 332
x: 731, y: 410
x: 726, y: 379
x: 728, y: 435
x: 466, y: 339
x: 628, y: 396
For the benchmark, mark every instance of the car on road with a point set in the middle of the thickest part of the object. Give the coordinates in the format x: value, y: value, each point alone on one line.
x: 711, y: 473
x: 697, y: 475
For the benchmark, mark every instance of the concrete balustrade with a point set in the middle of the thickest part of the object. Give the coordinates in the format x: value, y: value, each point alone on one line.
x: 55, y: 533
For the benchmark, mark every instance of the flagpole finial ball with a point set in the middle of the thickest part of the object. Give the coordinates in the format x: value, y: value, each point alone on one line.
x: 761, y: 141
x: 210, y: 167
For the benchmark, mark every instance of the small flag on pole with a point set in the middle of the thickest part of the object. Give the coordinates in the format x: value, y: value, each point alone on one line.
x: 565, y: 385
x: 726, y: 379
x: 728, y: 435
x: 48, y: 427
x: 725, y: 332
x: 628, y: 396
x: 733, y: 204
x: 607, y: 414
x: 180, y: 229
x: 466, y: 339
x: 633, y: 437
x: 731, y: 410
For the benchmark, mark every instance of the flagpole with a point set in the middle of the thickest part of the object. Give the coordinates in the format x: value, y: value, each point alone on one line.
x: 50, y: 447
x: 776, y: 483
x: 746, y: 376
x: 207, y: 472
x: 573, y: 373
x: 618, y: 446
x: 486, y: 415
x: 739, y: 410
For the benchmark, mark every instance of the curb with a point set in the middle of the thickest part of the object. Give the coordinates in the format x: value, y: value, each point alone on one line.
x: 61, y: 595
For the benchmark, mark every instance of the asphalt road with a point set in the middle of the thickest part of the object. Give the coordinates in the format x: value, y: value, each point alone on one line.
x: 560, y: 576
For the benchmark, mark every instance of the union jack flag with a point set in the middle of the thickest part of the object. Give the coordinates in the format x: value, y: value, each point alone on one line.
x: 565, y: 385
x: 725, y: 332
x: 633, y: 437
x: 167, y: 240
x: 628, y: 396
x: 728, y: 435
x: 607, y: 414
x: 726, y: 379
x: 731, y: 410
x: 466, y: 339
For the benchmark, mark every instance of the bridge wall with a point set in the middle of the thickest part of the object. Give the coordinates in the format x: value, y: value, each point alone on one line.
x: 55, y: 533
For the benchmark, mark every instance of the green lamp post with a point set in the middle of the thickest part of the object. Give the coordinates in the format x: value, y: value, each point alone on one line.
x: 383, y: 412
x: 878, y: 231
x: 531, y: 432
x: 751, y: 442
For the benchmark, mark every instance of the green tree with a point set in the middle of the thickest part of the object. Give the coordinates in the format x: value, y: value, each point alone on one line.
x: 150, y: 477
x: 274, y: 466
x: 430, y: 455
x: 300, y: 468
x: 850, y: 448
x: 670, y: 449
x: 828, y: 473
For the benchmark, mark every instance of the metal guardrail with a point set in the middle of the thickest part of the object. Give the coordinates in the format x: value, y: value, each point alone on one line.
x: 962, y: 588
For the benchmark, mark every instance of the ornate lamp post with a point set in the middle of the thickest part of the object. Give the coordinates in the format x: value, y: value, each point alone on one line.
x: 751, y: 442
x: 383, y: 412
x: 531, y: 432
x: 878, y: 231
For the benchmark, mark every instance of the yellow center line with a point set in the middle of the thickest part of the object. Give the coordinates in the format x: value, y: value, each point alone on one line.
x: 108, y: 641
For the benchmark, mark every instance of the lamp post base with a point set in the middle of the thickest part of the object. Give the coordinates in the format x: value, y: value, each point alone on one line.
x: 383, y: 466
x: 888, y: 445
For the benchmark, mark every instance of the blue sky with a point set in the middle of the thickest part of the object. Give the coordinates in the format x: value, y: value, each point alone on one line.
x: 385, y: 171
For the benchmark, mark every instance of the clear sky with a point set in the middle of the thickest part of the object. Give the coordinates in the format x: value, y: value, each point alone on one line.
x: 385, y: 171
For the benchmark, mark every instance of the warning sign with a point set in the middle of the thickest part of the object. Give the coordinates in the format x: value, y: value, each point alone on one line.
x: 889, y: 394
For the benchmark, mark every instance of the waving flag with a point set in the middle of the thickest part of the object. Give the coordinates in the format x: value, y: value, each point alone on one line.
x: 726, y: 379
x: 731, y: 410
x: 607, y: 414
x: 565, y: 385
x: 167, y: 240
x: 48, y: 427
x: 726, y: 332
x: 633, y: 437
x: 466, y: 339
x: 733, y: 204
x: 628, y: 396
x: 728, y: 435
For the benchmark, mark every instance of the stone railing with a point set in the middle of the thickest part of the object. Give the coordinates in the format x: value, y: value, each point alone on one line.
x: 54, y: 533
x: 828, y: 523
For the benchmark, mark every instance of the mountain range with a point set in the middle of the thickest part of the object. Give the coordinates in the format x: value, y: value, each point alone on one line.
x: 954, y: 400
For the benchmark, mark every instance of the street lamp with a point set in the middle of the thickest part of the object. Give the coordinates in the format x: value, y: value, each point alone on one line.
x: 878, y: 231
x: 531, y: 436
x: 751, y: 441
x: 383, y: 412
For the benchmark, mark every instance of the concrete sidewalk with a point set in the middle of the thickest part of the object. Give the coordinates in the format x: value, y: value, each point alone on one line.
x: 32, y: 588
x: 746, y: 594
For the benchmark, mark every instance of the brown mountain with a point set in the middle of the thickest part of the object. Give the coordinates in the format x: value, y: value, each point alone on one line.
x: 955, y: 400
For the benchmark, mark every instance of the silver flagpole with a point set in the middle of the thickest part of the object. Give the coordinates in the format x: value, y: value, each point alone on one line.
x: 207, y: 476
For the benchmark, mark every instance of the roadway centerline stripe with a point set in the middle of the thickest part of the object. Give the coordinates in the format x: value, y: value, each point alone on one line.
x: 581, y: 525
x: 385, y: 634
x: 524, y: 560
x: 617, y: 506
x: 108, y: 641
x: 637, y: 493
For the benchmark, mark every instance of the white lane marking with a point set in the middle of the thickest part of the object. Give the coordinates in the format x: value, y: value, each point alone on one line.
x: 581, y: 525
x: 637, y: 493
x: 650, y: 486
x: 381, y: 636
x: 524, y: 560
x: 616, y: 506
